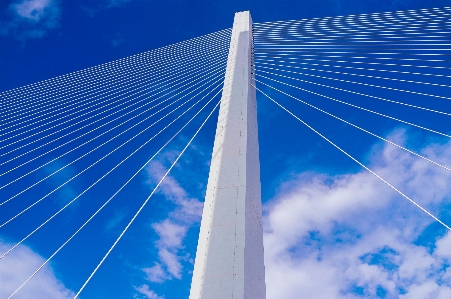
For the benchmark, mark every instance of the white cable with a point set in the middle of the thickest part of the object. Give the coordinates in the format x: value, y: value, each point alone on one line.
x: 112, y: 67
x: 78, y: 196
x: 180, y: 66
x: 358, y: 93
x: 357, y: 127
x: 98, y: 210
x: 364, y: 109
x: 287, y: 30
x: 119, y: 92
x: 366, y: 58
x: 308, y: 59
x: 73, y: 177
x: 147, y: 95
x: 364, y: 84
x: 359, y: 75
x: 358, y: 162
x: 309, y: 62
x: 163, y: 79
x: 141, y: 78
x: 92, y: 130
x: 145, y: 202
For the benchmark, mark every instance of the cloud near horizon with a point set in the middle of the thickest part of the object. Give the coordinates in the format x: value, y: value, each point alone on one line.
x: 18, y: 265
x: 351, y: 236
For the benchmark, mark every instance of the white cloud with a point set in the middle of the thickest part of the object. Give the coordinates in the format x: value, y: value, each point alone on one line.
x: 443, y: 248
x: 156, y: 273
x: 18, y: 265
x: 144, y: 289
x: 170, y: 241
x: 351, y: 236
x: 171, y: 234
x: 32, y: 9
x: 172, y: 262
x: 31, y: 18
x: 188, y: 209
x: 172, y: 230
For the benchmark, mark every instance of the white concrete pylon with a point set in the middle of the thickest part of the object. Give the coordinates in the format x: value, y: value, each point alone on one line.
x: 229, y: 259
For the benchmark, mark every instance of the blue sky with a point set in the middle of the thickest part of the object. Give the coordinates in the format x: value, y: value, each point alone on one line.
x: 332, y: 230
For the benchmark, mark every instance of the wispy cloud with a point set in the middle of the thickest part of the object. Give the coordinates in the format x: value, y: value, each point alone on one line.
x: 188, y: 209
x: 115, y: 220
x: 115, y: 42
x: 351, y: 236
x: 59, y: 178
x: 31, y: 18
x: 144, y: 290
x: 18, y: 265
x: 156, y: 273
x: 172, y: 230
x: 99, y: 6
x: 170, y: 241
x: 115, y: 3
x: 31, y: 9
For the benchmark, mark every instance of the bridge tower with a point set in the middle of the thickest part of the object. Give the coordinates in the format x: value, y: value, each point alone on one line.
x: 229, y: 259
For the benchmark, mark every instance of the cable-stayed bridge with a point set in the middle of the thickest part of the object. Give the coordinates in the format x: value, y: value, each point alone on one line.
x: 91, y: 134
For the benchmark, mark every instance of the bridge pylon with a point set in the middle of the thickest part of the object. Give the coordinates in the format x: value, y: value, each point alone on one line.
x: 229, y: 259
